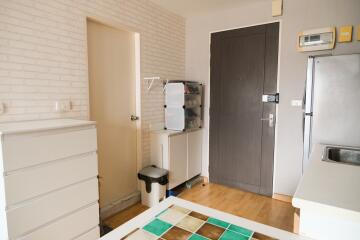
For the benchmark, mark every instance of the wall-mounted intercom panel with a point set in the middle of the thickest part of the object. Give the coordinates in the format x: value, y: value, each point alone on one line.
x: 316, y: 39
x: 271, y: 98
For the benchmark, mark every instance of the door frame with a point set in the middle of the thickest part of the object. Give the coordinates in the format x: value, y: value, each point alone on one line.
x: 136, y: 32
x: 277, y: 89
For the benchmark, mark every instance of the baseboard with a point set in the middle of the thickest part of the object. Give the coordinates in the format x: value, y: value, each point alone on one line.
x: 296, y: 221
x: 282, y: 197
x: 205, y: 179
x: 119, y: 205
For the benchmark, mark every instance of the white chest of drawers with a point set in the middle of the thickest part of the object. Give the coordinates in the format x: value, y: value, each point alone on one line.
x: 48, y: 181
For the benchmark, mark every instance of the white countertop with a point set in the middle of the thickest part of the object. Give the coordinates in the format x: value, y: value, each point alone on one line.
x: 40, y: 125
x: 329, y: 185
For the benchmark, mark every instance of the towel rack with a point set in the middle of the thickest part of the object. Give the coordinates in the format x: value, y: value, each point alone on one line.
x: 150, y: 82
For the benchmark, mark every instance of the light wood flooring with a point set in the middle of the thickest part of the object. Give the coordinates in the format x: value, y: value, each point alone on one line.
x: 252, y: 206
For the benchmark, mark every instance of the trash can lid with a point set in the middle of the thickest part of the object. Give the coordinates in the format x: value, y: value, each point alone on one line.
x: 153, y: 172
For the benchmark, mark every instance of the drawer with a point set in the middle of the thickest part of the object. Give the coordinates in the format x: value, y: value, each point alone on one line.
x: 24, y: 150
x: 35, y: 213
x: 31, y: 182
x: 68, y: 227
x: 93, y: 234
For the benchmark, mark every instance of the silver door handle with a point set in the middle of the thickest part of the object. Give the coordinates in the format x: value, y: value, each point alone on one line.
x: 270, y: 119
x: 134, y: 118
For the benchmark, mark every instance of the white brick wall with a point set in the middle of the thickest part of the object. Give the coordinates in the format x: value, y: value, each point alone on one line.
x: 43, y: 55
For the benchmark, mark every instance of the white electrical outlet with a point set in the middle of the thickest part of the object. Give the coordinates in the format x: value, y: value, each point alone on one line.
x: 63, y: 106
x: 2, y: 108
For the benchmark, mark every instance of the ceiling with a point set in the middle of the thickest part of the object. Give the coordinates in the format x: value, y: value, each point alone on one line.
x: 188, y: 8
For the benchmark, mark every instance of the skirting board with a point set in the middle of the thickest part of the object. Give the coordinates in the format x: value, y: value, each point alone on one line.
x: 206, y: 180
x: 282, y: 197
x: 119, y: 205
x: 296, y: 221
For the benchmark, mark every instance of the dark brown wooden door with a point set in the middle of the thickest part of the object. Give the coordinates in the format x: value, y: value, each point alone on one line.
x: 243, y: 68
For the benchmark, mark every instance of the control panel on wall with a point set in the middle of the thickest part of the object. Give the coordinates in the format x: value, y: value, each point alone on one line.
x: 316, y: 39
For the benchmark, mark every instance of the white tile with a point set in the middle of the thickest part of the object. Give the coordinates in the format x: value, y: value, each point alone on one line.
x: 172, y: 216
x: 181, y: 209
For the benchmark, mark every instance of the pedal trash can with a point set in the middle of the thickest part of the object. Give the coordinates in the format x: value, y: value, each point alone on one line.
x: 153, y: 185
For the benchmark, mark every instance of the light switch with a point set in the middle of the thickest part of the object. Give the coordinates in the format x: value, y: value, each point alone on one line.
x: 345, y: 34
x: 62, y: 106
x: 296, y: 103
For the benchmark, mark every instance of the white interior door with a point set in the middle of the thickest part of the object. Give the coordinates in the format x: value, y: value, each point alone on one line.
x: 112, y: 101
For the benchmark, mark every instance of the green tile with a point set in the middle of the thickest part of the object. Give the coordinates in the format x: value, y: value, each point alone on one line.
x: 218, y: 222
x: 197, y: 237
x: 241, y: 230
x: 157, y: 227
x: 230, y: 235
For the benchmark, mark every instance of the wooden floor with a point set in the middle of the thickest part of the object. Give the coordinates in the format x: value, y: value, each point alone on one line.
x: 244, y: 204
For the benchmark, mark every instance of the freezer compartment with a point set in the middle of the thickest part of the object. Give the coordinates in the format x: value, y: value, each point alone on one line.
x: 342, y: 155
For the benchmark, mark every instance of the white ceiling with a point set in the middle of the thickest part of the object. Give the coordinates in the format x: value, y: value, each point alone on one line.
x: 189, y: 8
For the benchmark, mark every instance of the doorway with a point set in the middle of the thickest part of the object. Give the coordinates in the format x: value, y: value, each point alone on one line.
x: 244, y: 65
x: 112, y: 87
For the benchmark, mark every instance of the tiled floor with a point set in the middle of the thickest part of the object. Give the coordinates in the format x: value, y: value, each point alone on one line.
x: 177, y: 223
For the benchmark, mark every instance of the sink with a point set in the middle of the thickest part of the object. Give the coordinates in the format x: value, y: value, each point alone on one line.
x: 342, y: 155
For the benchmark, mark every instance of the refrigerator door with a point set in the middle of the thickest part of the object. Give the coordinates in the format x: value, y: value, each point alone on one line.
x: 307, y: 141
x: 309, y: 86
x: 336, y: 95
x: 308, y: 112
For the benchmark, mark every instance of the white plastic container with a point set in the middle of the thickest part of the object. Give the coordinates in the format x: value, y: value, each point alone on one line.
x: 183, y: 105
x: 153, y: 185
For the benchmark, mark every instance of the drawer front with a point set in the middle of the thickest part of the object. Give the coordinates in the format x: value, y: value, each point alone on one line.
x: 93, y: 234
x: 24, y: 150
x: 31, y: 182
x: 37, y: 212
x: 194, y: 153
x: 68, y: 227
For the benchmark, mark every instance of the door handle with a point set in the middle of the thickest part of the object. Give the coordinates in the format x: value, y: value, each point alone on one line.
x: 134, y: 118
x: 270, y: 119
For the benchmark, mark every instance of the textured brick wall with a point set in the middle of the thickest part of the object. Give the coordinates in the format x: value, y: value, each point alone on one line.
x: 43, y: 55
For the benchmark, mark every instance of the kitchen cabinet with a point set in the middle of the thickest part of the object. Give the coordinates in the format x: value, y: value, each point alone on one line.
x: 328, y: 197
x: 194, y: 153
x: 48, y: 183
x: 178, y: 152
x: 177, y: 159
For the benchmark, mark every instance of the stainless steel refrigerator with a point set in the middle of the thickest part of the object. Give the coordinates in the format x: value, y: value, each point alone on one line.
x: 332, y: 102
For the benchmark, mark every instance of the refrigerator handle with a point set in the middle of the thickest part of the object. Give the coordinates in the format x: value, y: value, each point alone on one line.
x: 304, y: 111
x: 303, y: 127
x: 309, y: 86
x: 304, y: 98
